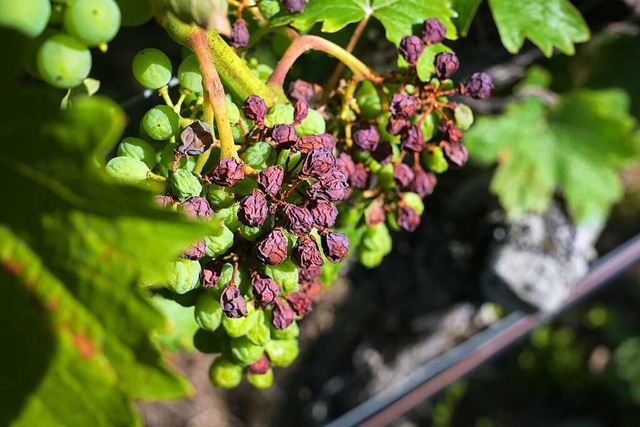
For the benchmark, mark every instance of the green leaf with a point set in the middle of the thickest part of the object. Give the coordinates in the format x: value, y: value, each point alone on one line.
x: 547, y: 23
x: 397, y: 16
x: 577, y: 146
x: 73, y: 247
x: 466, y: 10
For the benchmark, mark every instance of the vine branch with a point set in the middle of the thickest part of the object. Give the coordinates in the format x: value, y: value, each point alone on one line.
x: 214, y: 98
x: 305, y: 43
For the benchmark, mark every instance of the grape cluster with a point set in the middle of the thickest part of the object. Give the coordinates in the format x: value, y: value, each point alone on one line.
x: 64, y: 31
x: 392, y: 156
x: 273, y: 209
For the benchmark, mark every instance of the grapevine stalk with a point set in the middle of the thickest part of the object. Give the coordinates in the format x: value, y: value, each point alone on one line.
x: 213, y: 93
x: 305, y: 43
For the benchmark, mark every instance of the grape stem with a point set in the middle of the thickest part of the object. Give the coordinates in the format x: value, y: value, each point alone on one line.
x: 214, y: 96
x: 305, y: 43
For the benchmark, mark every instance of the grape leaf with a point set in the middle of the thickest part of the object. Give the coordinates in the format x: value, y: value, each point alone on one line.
x: 547, y: 23
x: 577, y: 146
x: 397, y: 16
x: 73, y: 247
x: 466, y: 10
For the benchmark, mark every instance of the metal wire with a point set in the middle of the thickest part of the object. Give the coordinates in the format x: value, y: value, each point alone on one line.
x: 442, y: 371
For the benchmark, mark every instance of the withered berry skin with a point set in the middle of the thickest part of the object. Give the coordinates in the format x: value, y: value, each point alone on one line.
x: 253, y: 209
x: 366, y: 136
x: 395, y: 126
x: 265, y: 289
x: 403, y: 175
x: 197, y: 207
x: 359, y: 177
x: 345, y: 163
x: 163, y: 200
x: 300, y: 303
x: 335, y: 246
x: 272, y: 249
x: 411, y: 48
x: 297, y: 220
x: 196, y: 251
x: 260, y: 367
x: 408, y: 218
x: 239, y: 34
x: 300, y: 89
x: 433, y: 31
x: 294, y: 6
x: 232, y: 302
x: 403, y: 106
x: 411, y: 139
x: 446, y: 65
x: 300, y: 111
x: 211, y: 274
x: 284, y: 135
x: 283, y: 314
x: 195, y: 139
x: 270, y: 179
x: 318, y: 163
x: 254, y: 108
x: 228, y: 172
x: 306, y: 253
x: 324, y: 213
x: 423, y: 183
x: 478, y: 86
x: 451, y: 132
x: 456, y: 153
x: 332, y: 187
x: 309, y: 143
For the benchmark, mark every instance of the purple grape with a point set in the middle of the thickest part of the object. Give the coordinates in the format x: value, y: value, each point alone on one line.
x: 195, y: 139
x: 253, y: 209
x: 408, y: 218
x: 395, y: 126
x: 197, y: 207
x: 284, y: 135
x: 452, y: 133
x: 423, y: 183
x: 270, y: 179
x: 265, y: 289
x: 359, y: 177
x: 478, y: 86
x: 300, y: 89
x: 233, y: 303
x: 283, y: 314
x: 433, y: 31
x: 403, y: 175
x: 318, y: 163
x: 446, y: 65
x: 411, y: 48
x: 272, y: 248
x: 255, y: 109
x: 456, y: 153
x: 228, y: 172
x: 211, y: 274
x: 411, y: 139
x: 335, y: 246
x: 260, y: 367
x: 324, y: 213
x: 403, y: 106
x: 306, y: 253
x: 196, y: 251
x: 366, y: 136
x: 300, y: 303
x: 300, y: 111
x: 294, y: 6
x: 239, y: 34
x: 297, y: 220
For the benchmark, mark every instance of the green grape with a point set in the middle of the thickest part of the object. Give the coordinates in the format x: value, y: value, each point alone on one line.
x: 392, y: 221
x: 282, y: 353
x: 428, y: 127
x: 232, y: 111
x: 218, y: 244
x: 139, y: 149
x: 219, y: 197
x: 261, y: 381
x: 30, y: 17
x: 135, y: 12
x: 386, y: 178
x: 463, y: 116
x: 377, y: 238
x: 382, y: 129
x: 161, y: 122
x: 313, y: 124
x: 225, y: 374
x: 240, y: 326
x: 152, y: 68
x: 290, y: 332
x: 285, y: 275
x: 189, y: 74
x: 261, y: 332
x: 244, y: 351
x: 184, y: 184
x: 269, y: 8
x: 92, y: 21
x: 63, y: 62
x: 368, y: 100
x: 127, y: 169
x: 184, y: 276
x: 281, y: 113
x: 414, y: 201
x: 435, y: 160
x: 245, y: 186
x: 229, y: 216
x: 370, y: 258
x: 258, y: 155
x: 250, y: 233
x: 208, y: 312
